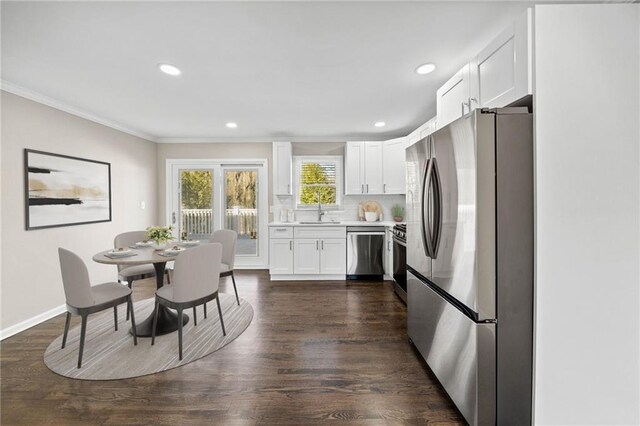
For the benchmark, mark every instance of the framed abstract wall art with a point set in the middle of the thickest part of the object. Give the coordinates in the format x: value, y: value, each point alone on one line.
x: 62, y: 191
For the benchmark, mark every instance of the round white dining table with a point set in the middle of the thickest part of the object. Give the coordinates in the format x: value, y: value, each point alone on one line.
x: 167, y: 319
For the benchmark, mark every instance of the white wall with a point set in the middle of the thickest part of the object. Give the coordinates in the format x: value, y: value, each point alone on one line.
x: 587, y: 109
x: 31, y: 282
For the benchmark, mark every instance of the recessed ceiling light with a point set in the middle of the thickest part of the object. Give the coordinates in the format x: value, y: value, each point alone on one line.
x: 380, y: 124
x: 425, y: 69
x: 169, y: 69
x: 232, y: 125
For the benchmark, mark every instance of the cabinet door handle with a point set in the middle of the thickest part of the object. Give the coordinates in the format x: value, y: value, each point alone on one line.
x: 367, y: 188
x: 362, y: 188
x: 316, y: 245
x: 384, y: 188
x: 472, y: 99
x: 288, y: 188
x: 290, y: 245
x: 322, y: 245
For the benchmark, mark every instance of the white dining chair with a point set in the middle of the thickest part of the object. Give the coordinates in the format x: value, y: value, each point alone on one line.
x: 84, y: 299
x: 228, y: 238
x: 137, y: 272
x: 195, y: 282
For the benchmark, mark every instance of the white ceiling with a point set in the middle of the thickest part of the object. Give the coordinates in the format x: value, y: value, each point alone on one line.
x: 281, y: 70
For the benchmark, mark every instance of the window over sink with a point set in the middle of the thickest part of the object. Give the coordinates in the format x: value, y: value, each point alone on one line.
x: 318, y: 176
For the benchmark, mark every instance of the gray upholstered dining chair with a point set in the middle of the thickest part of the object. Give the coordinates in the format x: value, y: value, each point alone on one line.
x: 228, y: 239
x: 195, y: 282
x: 137, y: 272
x: 84, y: 299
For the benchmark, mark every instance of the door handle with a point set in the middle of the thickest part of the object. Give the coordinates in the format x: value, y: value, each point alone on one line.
x: 426, y: 244
x: 362, y: 188
x: 290, y: 245
x: 437, y: 210
x: 367, y: 188
x: 384, y: 188
x: 173, y: 217
x: 316, y: 245
x: 322, y: 245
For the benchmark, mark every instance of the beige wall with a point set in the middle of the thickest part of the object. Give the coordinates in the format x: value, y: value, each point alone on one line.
x: 31, y: 283
x: 206, y: 151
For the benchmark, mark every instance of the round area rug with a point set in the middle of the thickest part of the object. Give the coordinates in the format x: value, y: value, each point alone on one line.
x: 110, y: 354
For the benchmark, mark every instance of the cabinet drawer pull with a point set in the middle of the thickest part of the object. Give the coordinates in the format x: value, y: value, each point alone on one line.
x: 281, y: 229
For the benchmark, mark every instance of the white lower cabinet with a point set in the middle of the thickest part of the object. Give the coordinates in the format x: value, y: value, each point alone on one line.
x: 306, y: 256
x: 333, y: 256
x: 311, y: 252
x: 281, y: 256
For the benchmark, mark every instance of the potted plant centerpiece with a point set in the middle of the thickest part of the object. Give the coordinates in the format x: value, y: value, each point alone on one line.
x: 397, y: 211
x: 160, y: 235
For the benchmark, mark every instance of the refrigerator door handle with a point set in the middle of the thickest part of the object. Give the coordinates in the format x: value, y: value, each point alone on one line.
x: 437, y: 209
x: 425, y: 220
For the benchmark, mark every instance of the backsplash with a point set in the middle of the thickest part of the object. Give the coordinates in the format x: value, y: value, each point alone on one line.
x: 348, y: 210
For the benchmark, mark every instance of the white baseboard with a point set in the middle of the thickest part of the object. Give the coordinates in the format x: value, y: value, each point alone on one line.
x: 303, y: 277
x: 17, y: 328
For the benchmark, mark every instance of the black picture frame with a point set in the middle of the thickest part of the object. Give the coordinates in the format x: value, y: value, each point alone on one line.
x: 35, y: 219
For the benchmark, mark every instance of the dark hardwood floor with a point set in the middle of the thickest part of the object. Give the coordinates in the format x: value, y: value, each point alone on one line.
x: 315, y: 351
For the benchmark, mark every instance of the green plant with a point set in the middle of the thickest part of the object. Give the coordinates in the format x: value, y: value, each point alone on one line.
x: 160, y: 234
x: 397, y: 210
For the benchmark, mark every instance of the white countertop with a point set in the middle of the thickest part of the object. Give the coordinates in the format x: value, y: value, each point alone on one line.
x: 386, y: 223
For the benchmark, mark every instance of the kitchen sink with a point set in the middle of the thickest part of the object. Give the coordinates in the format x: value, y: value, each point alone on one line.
x: 318, y: 223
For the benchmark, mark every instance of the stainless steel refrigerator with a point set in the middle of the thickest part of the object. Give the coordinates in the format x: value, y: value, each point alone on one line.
x: 470, y: 261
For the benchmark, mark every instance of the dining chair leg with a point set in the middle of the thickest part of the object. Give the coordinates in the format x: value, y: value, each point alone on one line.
x: 205, y: 310
x: 66, y: 329
x: 195, y: 317
x: 133, y: 320
x: 129, y: 283
x: 155, y: 322
x: 115, y: 317
x: 224, y: 333
x: 234, y: 288
x: 83, y: 332
x: 180, y: 333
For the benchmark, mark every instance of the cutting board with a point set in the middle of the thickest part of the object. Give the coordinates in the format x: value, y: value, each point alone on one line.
x: 369, y: 206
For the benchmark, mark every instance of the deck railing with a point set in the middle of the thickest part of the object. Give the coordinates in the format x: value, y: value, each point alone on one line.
x: 199, y: 221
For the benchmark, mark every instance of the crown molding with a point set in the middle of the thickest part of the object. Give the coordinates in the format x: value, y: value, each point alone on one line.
x: 54, y: 103
x: 300, y: 139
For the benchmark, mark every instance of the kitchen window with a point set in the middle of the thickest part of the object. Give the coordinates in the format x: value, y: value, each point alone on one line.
x: 318, y: 175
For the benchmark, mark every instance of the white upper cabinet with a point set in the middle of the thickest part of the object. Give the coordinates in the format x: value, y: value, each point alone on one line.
x: 363, y: 168
x: 501, y: 73
x: 354, y: 168
x: 452, y: 99
x: 393, y: 166
x: 373, y: 180
x: 282, y: 168
x: 498, y: 76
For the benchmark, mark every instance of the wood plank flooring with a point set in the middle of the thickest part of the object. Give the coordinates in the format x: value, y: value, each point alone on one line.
x: 315, y: 352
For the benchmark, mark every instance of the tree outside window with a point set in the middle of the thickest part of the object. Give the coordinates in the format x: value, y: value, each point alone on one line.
x: 316, y: 176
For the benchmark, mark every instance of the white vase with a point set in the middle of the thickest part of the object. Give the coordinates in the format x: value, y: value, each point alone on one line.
x: 160, y: 246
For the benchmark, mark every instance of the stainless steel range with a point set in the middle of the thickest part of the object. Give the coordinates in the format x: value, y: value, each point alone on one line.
x: 400, y: 261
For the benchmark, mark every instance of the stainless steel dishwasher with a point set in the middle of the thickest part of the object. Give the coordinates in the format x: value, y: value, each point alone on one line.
x: 365, y: 252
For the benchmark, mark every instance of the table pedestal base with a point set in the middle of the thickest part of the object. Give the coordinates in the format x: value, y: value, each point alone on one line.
x: 167, y: 323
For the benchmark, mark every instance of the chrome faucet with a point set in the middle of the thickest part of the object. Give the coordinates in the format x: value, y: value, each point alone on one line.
x: 320, y: 212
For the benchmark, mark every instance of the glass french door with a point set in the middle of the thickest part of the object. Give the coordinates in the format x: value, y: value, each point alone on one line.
x: 241, y: 207
x: 196, y: 195
x: 207, y: 195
